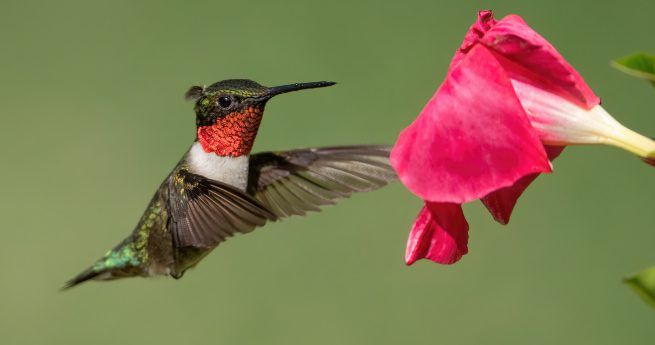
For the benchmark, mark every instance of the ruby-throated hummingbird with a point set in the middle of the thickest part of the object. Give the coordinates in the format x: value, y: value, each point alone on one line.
x: 219, y: 188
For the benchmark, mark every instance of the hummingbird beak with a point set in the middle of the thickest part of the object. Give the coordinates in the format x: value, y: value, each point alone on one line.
x: 276, y: 90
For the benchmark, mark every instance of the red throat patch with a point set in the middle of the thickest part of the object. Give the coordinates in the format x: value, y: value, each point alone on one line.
x: 232, y: 135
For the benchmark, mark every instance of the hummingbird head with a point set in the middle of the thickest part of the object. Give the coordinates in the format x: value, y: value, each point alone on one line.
x: 228, y: 113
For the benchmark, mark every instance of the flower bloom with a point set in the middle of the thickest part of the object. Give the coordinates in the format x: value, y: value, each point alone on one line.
x: 509, y: 105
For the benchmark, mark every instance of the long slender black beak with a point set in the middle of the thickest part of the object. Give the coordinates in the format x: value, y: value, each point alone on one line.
x: 276, y: 90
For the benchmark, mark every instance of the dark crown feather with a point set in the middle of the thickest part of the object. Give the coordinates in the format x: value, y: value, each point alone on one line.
x: 194, y: 93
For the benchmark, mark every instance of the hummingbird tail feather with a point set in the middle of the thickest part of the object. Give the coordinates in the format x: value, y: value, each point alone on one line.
x: 122, y: 261
x: 88, y: 274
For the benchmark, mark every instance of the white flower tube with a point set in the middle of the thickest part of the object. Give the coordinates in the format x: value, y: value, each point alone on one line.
x: 562, y: 122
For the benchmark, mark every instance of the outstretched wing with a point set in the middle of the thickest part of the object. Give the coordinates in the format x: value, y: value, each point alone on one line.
x: 294, y: 182
x: 206, y: 212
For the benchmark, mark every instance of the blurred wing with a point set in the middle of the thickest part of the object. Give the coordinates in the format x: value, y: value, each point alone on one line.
x: 206, y: 212
x: 294, y: 182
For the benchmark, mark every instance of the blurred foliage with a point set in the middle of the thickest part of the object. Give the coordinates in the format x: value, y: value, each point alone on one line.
x: 644, y: 284
x: 640, y: 65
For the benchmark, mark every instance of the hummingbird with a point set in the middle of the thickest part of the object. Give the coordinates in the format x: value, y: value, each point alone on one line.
x: 219, y: 189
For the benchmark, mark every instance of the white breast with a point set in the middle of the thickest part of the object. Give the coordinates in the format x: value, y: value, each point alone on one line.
x: 230, y: 170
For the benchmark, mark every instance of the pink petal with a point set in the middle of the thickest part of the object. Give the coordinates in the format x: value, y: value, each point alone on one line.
x: 477, y: 31
x: 529, y: 57
x: 472, y: 138
x: 501, y: 202
x: 440, y: 233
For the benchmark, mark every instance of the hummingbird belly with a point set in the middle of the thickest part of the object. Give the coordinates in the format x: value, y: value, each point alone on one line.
x: 226, y: 169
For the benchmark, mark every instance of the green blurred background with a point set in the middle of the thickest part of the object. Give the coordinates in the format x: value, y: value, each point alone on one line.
x: 92, y: 119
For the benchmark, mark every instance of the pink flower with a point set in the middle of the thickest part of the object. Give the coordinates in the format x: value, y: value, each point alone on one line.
x: 508, y: 106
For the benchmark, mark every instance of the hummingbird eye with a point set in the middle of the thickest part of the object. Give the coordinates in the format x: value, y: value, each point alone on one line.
x: 224, y: 102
